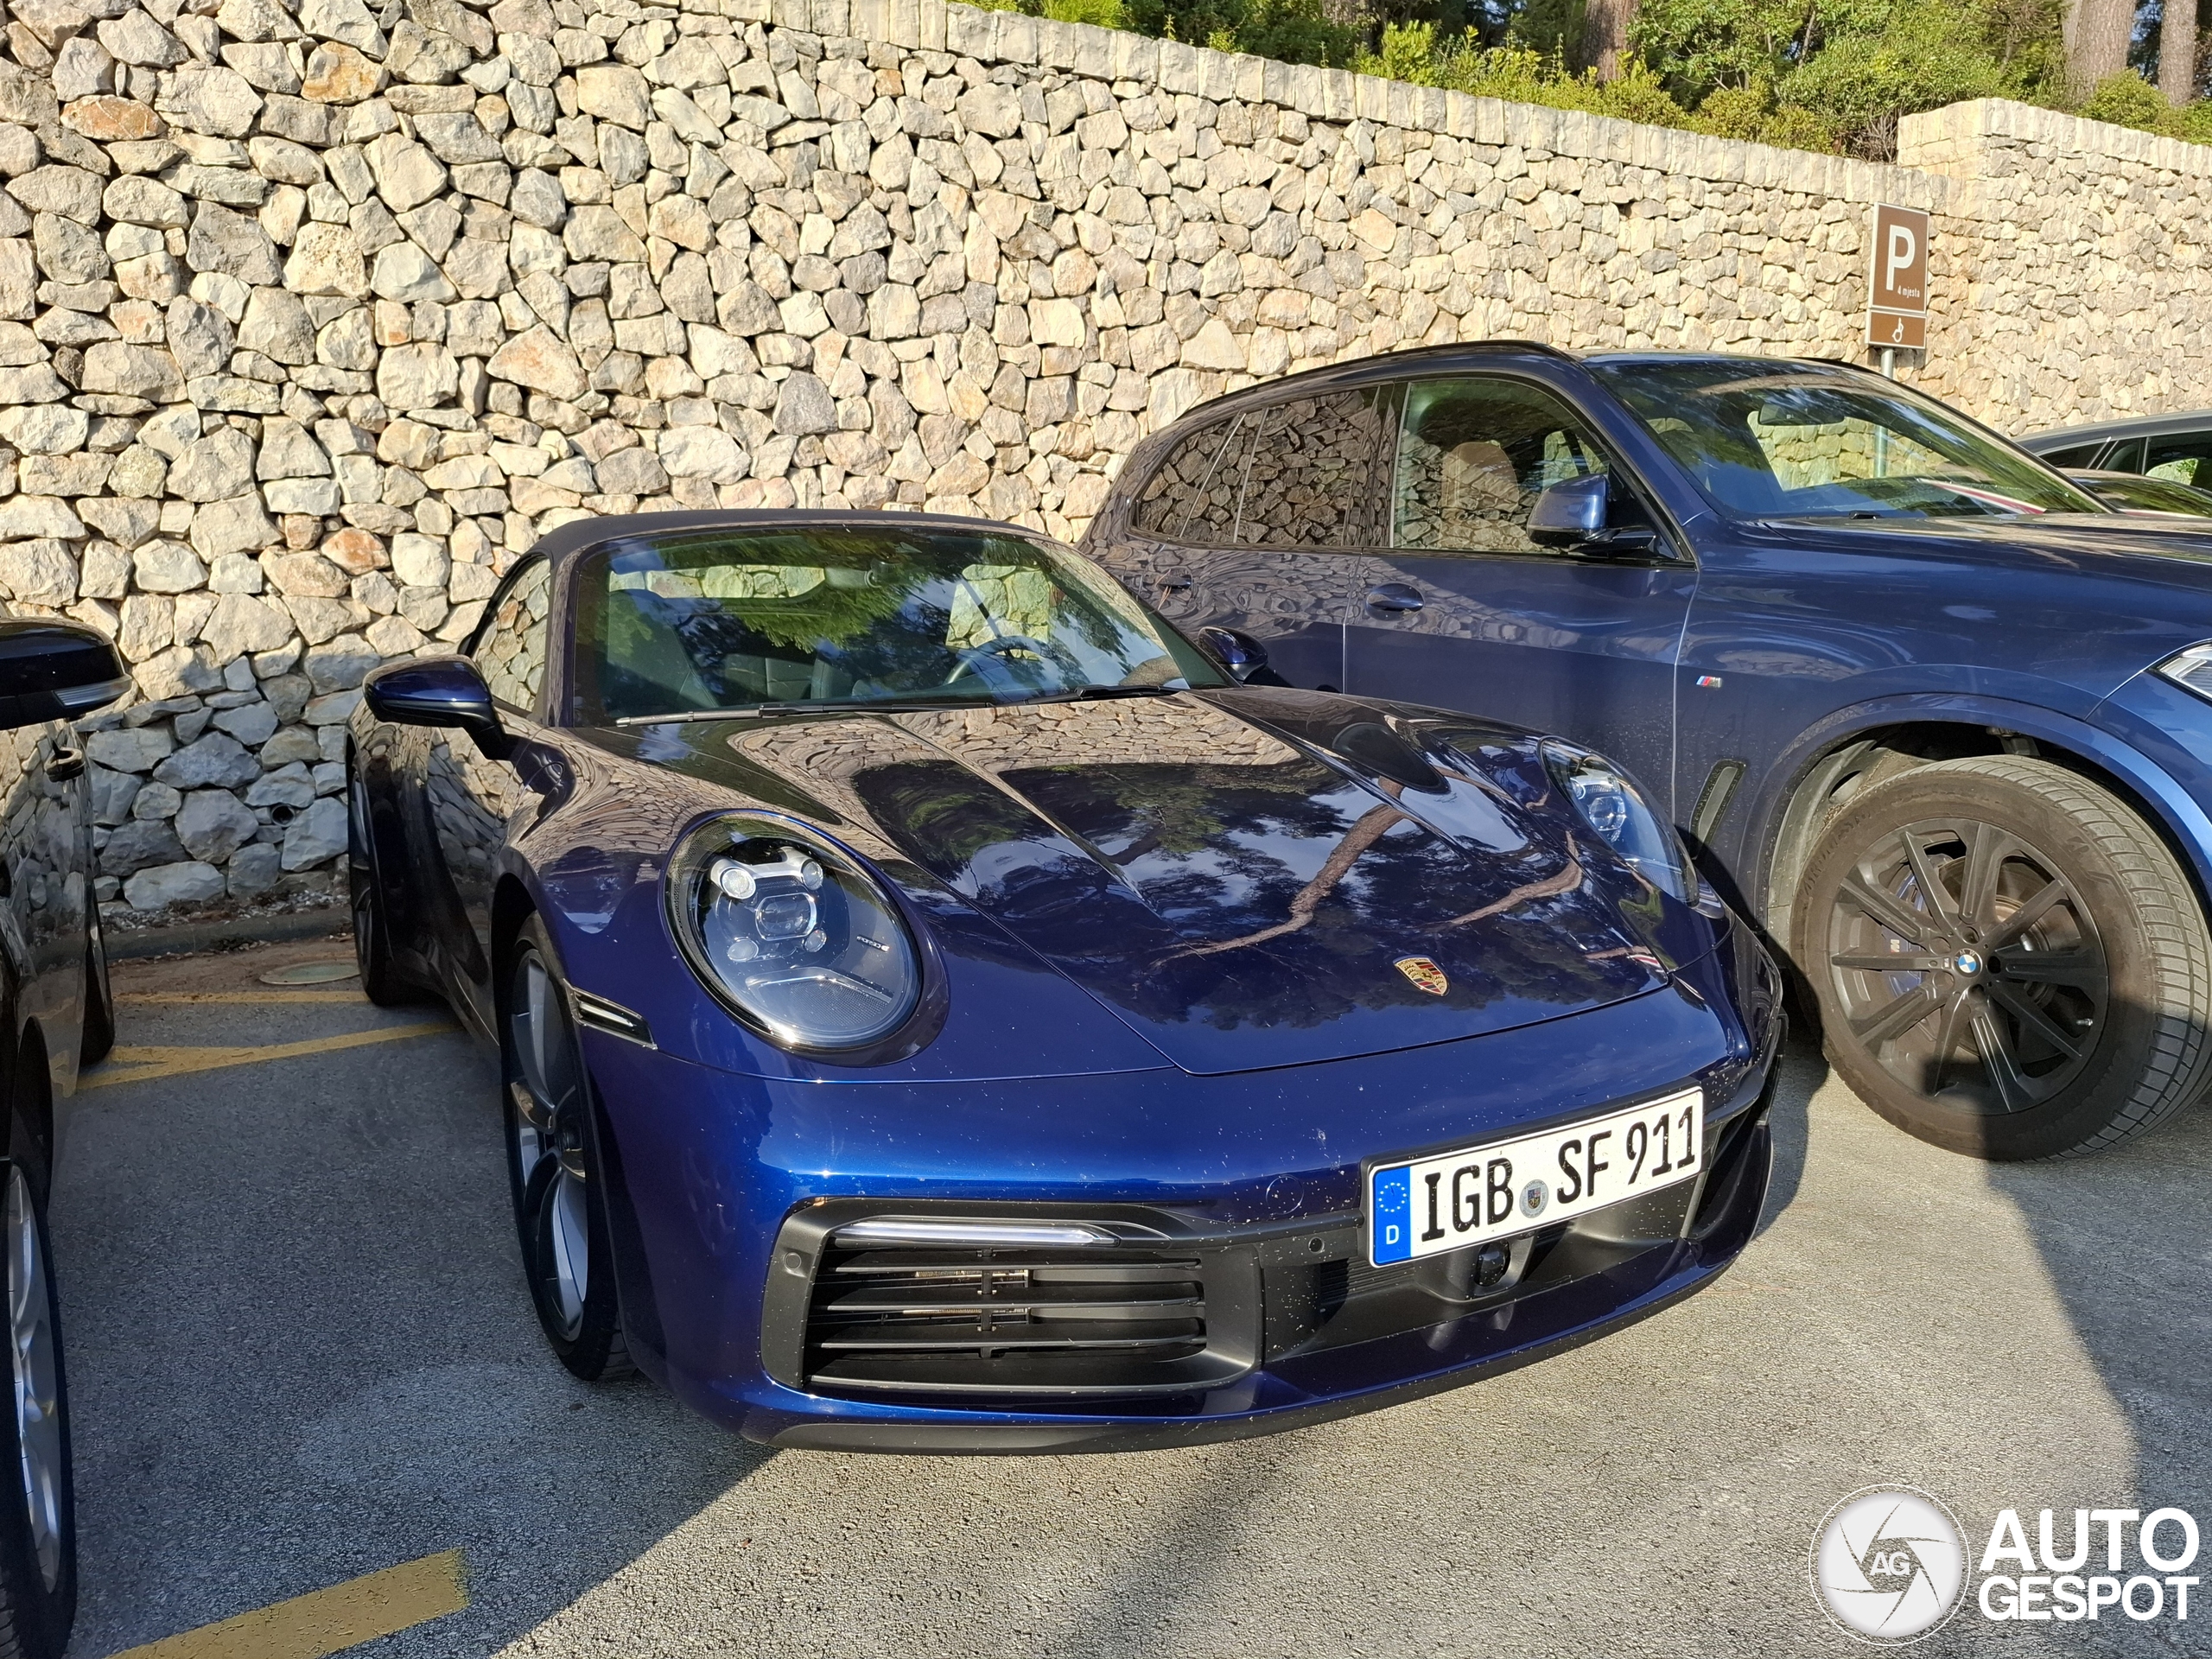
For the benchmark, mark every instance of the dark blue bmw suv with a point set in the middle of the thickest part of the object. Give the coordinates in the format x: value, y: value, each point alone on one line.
x: 1934, y: 716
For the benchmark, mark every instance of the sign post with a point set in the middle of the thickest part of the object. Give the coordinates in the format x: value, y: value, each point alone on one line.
x: 1897, y: 288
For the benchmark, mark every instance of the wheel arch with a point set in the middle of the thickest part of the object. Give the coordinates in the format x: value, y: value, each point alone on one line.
x: 513, y: 907
x: 1829, y: 764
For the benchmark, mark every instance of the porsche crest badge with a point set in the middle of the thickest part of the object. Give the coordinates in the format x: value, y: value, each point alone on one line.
x: 1425, y: 974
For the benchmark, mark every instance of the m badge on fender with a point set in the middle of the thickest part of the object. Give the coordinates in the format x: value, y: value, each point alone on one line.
x: 1425, y: 974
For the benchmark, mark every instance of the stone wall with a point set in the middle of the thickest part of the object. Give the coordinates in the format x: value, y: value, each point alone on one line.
x: 314, y: 316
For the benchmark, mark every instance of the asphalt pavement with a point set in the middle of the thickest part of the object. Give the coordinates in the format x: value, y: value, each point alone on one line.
x: 301, y: 1350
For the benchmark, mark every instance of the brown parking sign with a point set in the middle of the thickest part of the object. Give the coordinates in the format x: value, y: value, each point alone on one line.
x: 1896, y: 292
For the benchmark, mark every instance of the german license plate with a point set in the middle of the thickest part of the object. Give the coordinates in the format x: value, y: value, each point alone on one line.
x: 1428, y: 1205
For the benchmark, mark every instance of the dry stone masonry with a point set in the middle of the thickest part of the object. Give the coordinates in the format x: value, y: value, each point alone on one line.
x: 313, y: 314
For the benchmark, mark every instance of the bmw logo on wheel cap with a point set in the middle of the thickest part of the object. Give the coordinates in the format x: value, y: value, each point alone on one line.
x: 1890, y: 1565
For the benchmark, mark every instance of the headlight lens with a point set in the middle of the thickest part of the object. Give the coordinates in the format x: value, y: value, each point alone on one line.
x: 792, y: 933
x: 2190, y: 670
x: 1617, y: 815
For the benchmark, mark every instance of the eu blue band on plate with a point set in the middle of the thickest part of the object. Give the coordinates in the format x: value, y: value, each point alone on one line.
x: 1390, y: 1215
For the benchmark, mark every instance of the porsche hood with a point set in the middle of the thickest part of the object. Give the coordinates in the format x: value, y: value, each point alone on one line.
x: 1249, y: 878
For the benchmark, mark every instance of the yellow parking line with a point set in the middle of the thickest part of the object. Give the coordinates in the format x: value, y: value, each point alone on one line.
x: 328, y: 1621
x: 240, y: 996
x: 178, y: 1061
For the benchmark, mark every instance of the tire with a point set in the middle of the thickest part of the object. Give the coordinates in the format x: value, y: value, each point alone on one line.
x: 2009, y: 962
x: 380, y: 982
x: 553, y: 1167
x: 99, y: 996
x: 38, y: 1544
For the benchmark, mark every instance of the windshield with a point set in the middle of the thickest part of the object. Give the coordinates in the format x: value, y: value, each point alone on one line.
x: 740, y: 617
x: 1798, y: 439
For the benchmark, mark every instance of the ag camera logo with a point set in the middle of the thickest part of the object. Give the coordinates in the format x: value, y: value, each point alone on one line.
x: 1890, y: 1565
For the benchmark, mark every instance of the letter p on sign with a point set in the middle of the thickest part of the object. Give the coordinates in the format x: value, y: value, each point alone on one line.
x: 1897, y: 291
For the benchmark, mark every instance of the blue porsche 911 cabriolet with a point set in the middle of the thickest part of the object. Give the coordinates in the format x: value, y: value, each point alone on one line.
x: 942, y: 1009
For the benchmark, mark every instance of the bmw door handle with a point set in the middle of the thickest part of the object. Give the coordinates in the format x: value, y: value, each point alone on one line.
x: 1394, y: 597
x: 1173, y: 584
x: 65, y: 764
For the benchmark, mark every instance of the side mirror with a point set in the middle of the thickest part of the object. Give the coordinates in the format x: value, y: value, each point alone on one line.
x: 1237, y: 653
x: 1570, y: 511
x: 438, y: 691
x: 54, y: 670
x: 1571, y: 514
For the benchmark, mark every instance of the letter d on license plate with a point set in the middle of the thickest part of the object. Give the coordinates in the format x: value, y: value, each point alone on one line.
x: 1428, y: 1205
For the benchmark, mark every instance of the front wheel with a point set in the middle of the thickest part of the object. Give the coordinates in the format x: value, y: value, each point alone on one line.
x: 560, y: 1198
x: 2009, y: 962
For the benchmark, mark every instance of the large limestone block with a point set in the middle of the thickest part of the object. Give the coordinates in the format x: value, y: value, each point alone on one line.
x: 187, y: 882
x: 213, y: 467
x: 241, y: 625
x: 540, y: 359
x: 616, y: 92
x: 148, y: 371
x: 212, y: 825
x: 326, y: 259
x: 420, y: 375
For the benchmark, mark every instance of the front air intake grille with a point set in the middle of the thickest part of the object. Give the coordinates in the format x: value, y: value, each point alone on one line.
x: 1107, y: 1319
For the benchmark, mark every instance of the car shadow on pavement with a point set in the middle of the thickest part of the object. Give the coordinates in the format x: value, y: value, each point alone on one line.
x: 301, y: 1349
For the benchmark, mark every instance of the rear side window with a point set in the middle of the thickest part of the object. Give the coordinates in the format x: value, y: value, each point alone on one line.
x: 1183, y: 488
x: 1310, y: 477
x: 2183, y: 458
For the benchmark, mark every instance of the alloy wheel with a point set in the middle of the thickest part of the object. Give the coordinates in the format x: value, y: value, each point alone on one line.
x: 1967, y: 965
x: 548, y: 1125
x: 37, y: 1374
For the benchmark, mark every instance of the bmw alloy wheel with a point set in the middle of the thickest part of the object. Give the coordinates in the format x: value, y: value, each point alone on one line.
x: 2009, y: 961
x: 1969, y: 966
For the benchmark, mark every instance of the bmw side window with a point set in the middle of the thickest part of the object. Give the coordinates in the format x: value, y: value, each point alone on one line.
x: 1472, y: 456
x: 2127, y: 458
x: 510, y: 653
x: 1309, y: 479
x: 1187, y: 492
x: 2185, y: 458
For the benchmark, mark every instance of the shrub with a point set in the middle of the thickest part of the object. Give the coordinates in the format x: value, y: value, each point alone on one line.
x: 2127, y: 100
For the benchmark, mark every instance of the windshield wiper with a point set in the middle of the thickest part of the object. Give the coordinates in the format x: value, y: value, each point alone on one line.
x: 1088, y: 693
x: 809, y: 705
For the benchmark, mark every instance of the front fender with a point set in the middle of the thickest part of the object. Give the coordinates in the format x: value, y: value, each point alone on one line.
x: 2130, y: 735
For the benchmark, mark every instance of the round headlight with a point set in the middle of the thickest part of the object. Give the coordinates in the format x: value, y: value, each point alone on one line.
x: 1617, y: 815
x: 792, y: 934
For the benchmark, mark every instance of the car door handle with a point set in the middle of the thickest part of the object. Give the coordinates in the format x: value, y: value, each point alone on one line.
x: 65, y: 764
x: 1173, y: 584
x: 1394, y: 596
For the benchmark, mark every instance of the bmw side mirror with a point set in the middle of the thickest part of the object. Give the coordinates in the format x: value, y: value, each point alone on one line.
x: 438, y: 691
x: 1235, y: 652
x: 1570, y: 511
x: 1571, y: 514
x: 54, y: 670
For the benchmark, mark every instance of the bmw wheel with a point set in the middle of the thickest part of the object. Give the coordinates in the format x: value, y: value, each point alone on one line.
x: 38, y: 1542
x: 2009, y: 962
x: 552, y: 1167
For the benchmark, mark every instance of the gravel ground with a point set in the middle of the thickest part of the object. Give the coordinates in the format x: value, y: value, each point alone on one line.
x: 302, y: 1351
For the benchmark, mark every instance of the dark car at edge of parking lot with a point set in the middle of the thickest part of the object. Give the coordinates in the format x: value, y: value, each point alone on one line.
x: 56, y: 1017
x: 2176, y: 446
x: 1935, y: 715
